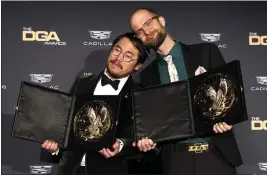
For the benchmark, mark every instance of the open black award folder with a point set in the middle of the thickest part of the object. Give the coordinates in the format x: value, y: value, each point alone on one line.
x: 79, y: 123
x: 190, y: 108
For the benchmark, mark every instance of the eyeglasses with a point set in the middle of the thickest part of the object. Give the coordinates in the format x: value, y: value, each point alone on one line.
x: 127, y: 57
x: 148, y: 24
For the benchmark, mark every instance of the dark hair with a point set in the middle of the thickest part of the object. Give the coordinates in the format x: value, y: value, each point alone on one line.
x: 143, y: 53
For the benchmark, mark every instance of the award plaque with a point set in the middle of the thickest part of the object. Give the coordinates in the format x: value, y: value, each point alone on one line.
x: 94, y: 123
x: 190, y: 108
x: 215, y: 97
x: 74, y: 122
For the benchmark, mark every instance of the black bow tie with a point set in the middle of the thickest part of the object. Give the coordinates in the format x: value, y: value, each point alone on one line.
x: 105, y: 80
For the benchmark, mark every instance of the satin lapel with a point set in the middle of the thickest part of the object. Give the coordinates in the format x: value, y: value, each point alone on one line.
x: 190, y: 62
x: 87, y: 85
x: 128, y: 86
x: 151, y: 73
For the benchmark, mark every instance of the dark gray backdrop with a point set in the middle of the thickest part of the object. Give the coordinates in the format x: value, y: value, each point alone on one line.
x: 72, y: 21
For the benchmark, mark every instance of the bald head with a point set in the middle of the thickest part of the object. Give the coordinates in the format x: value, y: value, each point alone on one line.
x: 149, y: 27
x: 140, y: 16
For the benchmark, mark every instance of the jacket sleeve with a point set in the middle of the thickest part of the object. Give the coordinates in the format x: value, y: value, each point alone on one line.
x: 224, y: 142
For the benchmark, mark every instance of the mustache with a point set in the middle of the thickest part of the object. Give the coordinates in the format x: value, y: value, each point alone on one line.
x: 117, y: 63
x: 150, y: 36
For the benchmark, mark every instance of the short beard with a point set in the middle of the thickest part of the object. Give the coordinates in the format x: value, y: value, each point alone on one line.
x: 158, y: 41
x: 114, y: 76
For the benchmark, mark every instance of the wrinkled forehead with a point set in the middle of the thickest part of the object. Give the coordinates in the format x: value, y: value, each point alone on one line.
x: 139, y: 18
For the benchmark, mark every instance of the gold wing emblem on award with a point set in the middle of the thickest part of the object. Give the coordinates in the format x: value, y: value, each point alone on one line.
x: 215, y: 96
x: 92, y: 121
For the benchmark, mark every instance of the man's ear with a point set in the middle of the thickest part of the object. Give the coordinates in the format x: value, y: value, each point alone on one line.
x: 137, y: 66
x: 162, y: 21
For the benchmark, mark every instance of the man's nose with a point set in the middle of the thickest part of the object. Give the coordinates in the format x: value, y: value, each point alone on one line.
x: 146, y: 31
x: 120, y: 57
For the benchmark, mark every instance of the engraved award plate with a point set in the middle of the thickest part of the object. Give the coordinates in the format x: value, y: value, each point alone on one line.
x: 215, y: 96
x: 74, y: 122
x: 189, y: 108
x: 93, y: 121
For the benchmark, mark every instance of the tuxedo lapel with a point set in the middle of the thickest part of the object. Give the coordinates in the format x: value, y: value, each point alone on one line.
x: 128, y: 86
x: 86, y: 86
x: 94, y: 82
x: 193, y: 59
x: 155, y: 73
x: 150, y: 75
x: 190, y: 64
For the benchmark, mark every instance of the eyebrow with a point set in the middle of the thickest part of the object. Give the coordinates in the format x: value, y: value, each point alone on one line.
x: 126, y: 51
x: 144, y: 23
x: 118, y: 46
x: 130, y: 53
x: 138, y: 30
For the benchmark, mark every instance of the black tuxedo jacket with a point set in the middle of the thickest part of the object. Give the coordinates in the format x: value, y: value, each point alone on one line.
x: 70, y: 160
x: 208, y: 56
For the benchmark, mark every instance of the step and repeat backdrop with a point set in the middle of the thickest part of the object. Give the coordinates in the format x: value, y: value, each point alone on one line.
x: 51, y: 43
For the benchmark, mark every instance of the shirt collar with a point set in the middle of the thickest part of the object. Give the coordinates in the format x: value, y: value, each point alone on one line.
x: 173, y: 52
x: 122, y: 80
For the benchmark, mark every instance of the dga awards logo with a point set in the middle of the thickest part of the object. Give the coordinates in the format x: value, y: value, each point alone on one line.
x: 43, y: 78
x: 212, y: 37
x: 40, y: 169
x: 47, y: 37
x: 257, y: 40
x: 262, y: 84
x: 258, y: 125
x: 99, y: 38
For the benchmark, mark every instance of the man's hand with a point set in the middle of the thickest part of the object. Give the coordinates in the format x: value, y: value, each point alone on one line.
x: 145, y: 144
x: 221, y: 127
x: 50, y: 146
x: 107, y: 153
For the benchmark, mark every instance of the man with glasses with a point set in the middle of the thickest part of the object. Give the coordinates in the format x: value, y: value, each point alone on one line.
x: 217, y: 153
x: 127, y: 54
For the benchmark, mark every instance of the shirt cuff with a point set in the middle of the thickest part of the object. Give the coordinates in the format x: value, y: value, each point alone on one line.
x: 55, y: 153
x: 121, y: 144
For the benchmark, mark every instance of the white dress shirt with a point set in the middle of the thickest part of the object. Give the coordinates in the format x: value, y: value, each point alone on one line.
x: 108, y: 89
